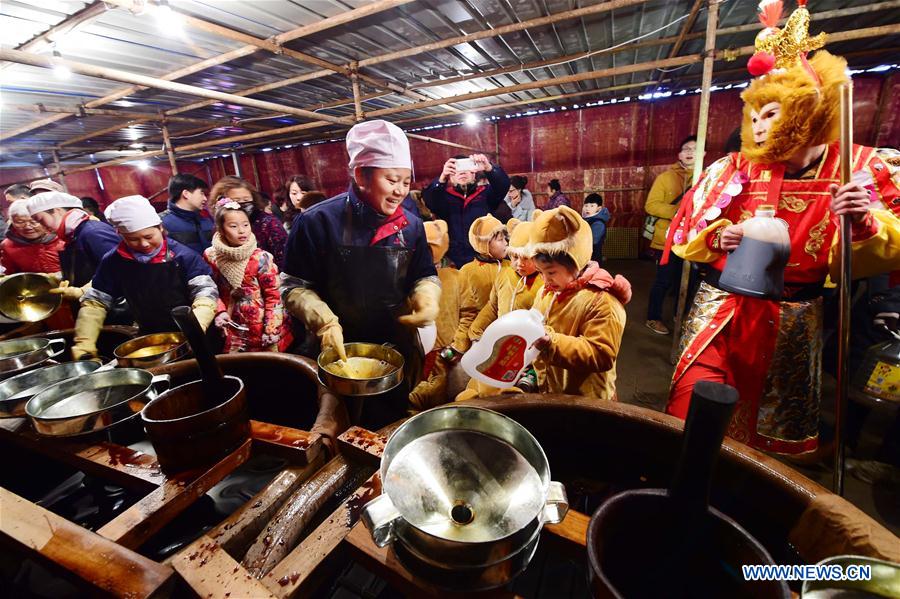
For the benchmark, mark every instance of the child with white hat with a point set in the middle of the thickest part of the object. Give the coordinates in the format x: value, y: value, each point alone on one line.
x: 152, y: 272
x: 358, y: 266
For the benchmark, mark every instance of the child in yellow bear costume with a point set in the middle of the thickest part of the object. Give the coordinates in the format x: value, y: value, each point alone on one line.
x: 489, y: 237
x: 432, y: 391
x: 513, y: 289
x: 583, y: 306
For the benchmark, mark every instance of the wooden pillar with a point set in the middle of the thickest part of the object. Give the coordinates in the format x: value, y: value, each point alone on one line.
x: 59, y: 171
x: 354, y: 81
x: 712, y: 20
x: 169, y: 150
x: 237, y: 164
x: 255, y: 170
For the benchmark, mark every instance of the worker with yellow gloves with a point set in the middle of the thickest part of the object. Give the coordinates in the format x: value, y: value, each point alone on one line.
x: 358, y: 267
x: 152, y: 272
x: 86, y: 240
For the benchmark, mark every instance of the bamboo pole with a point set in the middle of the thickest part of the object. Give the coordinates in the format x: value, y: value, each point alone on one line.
x: 712, y: 18
x: 846, y: 270
x: 142, y: 80
x: 688, y: 25
x: 62, y: 177
x: 357, y: 102
x: 83, y: 16
x: 167, y: 142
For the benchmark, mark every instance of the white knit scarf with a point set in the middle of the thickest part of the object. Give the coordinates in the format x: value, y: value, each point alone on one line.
x: 232, y: 261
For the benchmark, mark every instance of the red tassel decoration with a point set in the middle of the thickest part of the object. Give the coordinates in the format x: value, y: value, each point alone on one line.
x: 770, y: 12
x: 760, y: 63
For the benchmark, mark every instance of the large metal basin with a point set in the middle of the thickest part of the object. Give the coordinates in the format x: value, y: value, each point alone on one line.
x: 16, y: 391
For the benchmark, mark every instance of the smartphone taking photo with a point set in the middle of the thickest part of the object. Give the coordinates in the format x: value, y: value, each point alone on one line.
x: 465, y: 164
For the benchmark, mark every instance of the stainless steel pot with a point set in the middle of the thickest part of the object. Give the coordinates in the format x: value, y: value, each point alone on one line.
x: 173, y: 347
x: 466, y: 493
x: 26, y: 297
x: 19, y: 355
x: 16, y: 391
x: 93, y: 402
x: 343, y: 385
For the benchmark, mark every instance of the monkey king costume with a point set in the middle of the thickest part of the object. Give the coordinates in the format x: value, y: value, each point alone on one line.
x: 771, y: 350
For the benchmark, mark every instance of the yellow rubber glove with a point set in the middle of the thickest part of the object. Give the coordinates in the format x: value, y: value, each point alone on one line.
x: 87, y: 328
x: 70, y: 293
x: 332, y: 337
x: 204, y: 309
x: 306, y: 305
x: 425, y: 303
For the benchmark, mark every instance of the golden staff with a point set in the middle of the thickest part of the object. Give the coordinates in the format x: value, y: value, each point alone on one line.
x: 843, y: 370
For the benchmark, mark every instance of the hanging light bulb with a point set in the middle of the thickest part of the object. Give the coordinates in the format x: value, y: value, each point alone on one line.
x: 471, y: 120
x: 60, y: 70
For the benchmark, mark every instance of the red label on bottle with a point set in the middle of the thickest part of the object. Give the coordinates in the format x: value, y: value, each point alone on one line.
x: 506, y: 360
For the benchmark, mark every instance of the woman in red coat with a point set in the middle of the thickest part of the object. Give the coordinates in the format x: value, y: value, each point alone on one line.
x: 28, y: 246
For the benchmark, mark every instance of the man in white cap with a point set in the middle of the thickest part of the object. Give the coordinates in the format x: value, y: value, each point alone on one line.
x: 150, y: 271
x: 87, y: 239
x: 42, y: 185
x: 358, y: 266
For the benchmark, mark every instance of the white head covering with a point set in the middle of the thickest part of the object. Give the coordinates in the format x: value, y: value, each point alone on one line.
x: 46, y: 185
x: 48, y: 200
x: 132, y: 213
x: 378, y: 143
x: 18, y: 208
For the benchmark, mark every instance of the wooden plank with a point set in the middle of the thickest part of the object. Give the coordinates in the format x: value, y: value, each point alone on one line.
x: 146, y: 517
x: 299, y: 446
x: 100, y: 564
x: 384, y: 563
x: 362, y: 445
x: 214, y: 574
x: 573, y: 528
x: 237, y: 531
x: 119, y: 465
x: 294, y: 574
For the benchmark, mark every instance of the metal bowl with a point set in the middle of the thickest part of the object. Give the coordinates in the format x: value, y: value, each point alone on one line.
x: 26, y: 297
x: 19, y: 355
x: 16, y: 391
x: 361, y: 387
x: 158, y: 349
x: 466, y: 493
x: 93, y: 402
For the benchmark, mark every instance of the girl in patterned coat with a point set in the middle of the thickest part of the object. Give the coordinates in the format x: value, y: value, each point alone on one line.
x: 250, y: 312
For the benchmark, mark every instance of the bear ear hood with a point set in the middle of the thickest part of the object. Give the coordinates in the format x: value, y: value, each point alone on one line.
x: 481, y: 232
x: 562, y: 231
x: 438, y: 238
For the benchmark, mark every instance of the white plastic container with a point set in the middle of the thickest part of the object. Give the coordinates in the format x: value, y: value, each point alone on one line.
x: 756, y: 267
x: 505, y: 349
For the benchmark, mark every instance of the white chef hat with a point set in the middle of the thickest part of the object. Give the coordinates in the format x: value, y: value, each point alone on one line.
x: 48, y: 200
x: 378, y: 143
x: 18, y: 208
x: 132, y: 213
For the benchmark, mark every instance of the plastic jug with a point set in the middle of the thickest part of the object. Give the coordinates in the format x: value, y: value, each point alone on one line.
x: 756, y: 267
x: 505, y: 349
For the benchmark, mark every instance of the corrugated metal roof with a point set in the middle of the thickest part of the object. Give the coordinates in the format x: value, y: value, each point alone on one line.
x: 120, y: 39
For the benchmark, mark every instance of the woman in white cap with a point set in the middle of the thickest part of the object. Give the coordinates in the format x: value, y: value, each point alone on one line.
x: 358, y: 266
x: 86, y: 239
x: 152, y: 272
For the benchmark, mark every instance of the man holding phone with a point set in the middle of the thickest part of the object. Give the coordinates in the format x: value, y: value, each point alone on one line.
x: 455, y: 198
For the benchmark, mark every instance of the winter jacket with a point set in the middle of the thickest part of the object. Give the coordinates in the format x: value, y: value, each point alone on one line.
x: 256, y: 305
x: 585, y: 323
x: 663, y: 199
x: 598, y: 224
x: 476, y: 280
x: 187, y: 227
x: 270, y: 235
x: 461, y: 210
x: 432, y: 391
x: 556, y: 200
x: 525, y: 207
x: 20, y: 255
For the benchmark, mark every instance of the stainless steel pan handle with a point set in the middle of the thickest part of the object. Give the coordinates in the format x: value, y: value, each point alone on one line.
x: 161, y: 383
x: 52, y: 352
x: 380, y: 517
x: 557, y: 504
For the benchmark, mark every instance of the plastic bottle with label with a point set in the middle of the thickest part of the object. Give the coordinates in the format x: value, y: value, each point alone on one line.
x: 505, y: 349
x: 756, y: 267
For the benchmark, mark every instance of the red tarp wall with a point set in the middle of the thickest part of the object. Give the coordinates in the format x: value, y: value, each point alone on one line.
x: 616, y: 149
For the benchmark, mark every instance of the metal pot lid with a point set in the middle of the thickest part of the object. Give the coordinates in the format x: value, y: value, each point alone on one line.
x: 464, y: 486
x: 26, y: 297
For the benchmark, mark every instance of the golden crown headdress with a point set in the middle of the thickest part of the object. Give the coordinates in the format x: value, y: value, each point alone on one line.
x: 785, y: 47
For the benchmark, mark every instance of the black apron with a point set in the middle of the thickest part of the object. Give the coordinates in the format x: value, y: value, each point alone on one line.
x: 78, y: 269
x: 152, y: 290
x: 366, y: 291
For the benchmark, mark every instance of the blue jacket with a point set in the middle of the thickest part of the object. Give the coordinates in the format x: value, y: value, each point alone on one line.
x: 598, y: 224
x: 197, y: 275
x: 320, y: 230
x: 188, y: 228
x: 461, y: 211
x: 95, y: 239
